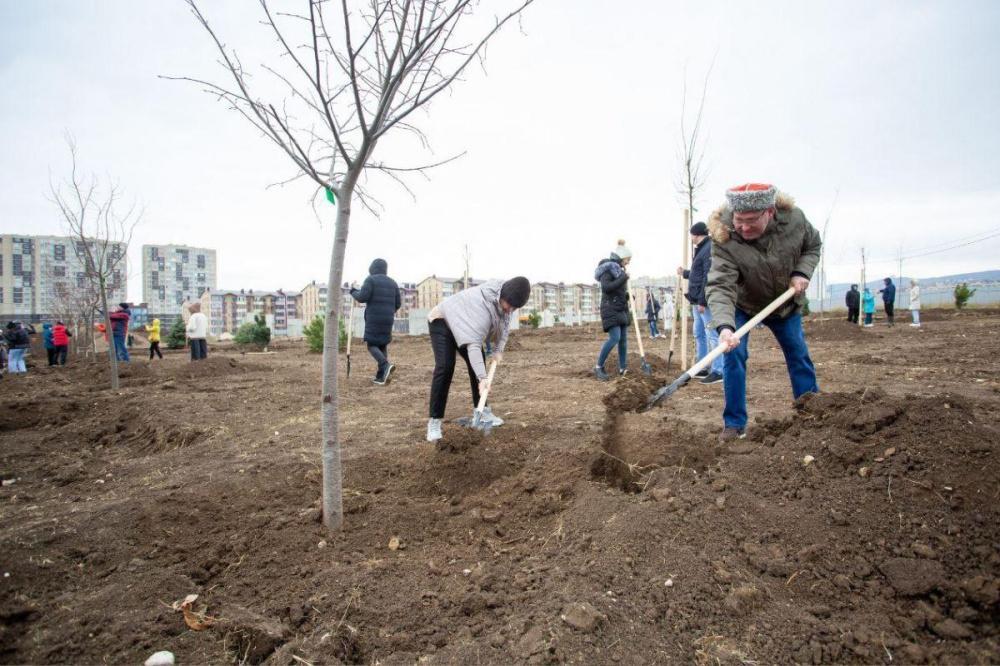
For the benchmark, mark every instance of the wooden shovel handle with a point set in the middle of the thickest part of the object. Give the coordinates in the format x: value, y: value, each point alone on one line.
x: 743, y: 330
x: 635, y: 320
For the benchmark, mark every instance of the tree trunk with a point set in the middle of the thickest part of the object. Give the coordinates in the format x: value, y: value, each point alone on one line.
x: 112, y: 352
x: 333, y: 507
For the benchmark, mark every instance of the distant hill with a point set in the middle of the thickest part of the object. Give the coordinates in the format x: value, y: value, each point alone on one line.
x: 944, y: 280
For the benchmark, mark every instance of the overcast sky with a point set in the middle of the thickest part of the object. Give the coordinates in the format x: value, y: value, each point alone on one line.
x: 571, y: 136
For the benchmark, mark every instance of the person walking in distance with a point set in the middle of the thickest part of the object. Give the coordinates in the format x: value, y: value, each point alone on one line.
x: 615, y: 319
x: 853, y: 302
x: 60, y: 338
x: 706, y: 337
x: 652, y: 314
x: 868, y: 303
x: 915, y: 303
x: 197, y: 332
x: 458, y: 326
x: 762, y: 246
x: 380, y: 294
x: 18, y: 344
x: 889, y: 300
x: 153, y: 332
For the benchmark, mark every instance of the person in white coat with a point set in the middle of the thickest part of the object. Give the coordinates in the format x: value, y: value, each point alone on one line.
x: 915, y: 303
x: 197, y: 332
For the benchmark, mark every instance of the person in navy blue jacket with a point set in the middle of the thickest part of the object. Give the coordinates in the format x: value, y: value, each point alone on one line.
x: 380, y: 294
x: 705, y: 335
x: 889, y: 300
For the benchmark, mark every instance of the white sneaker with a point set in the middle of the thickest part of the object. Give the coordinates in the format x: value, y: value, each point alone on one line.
x: 488, y: 415
x: 433, y: 430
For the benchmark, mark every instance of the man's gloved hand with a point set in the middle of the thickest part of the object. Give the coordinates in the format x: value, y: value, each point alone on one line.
x: 728, y: 338
x: 799, y: 284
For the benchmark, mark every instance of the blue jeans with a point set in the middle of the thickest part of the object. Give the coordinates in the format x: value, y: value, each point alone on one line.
x: 121, y: 350
x: 15, y: 361
x: 788, y: 333
x: 618, y: 335
x: 706, y: 338
x: 653, y: 331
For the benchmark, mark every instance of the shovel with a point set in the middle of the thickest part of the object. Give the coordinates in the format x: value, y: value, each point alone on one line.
x: 477, y: 420
x: 668, y: 390
x: 646, y: 368
x: 350, y: 335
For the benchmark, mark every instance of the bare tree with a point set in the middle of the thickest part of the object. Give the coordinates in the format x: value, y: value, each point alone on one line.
x: 351, y: 75
x: 693, y: 174
x: 76, y: 306
x: 101, y: 236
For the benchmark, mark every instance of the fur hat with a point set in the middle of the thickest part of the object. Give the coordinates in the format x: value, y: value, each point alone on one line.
x: 516, y: 291
x: 621, y: 252
x: 751, y: 197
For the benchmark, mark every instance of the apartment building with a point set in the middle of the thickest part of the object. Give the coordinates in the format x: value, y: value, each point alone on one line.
x: 41, y: 277
x: 581, y: 298
x: 434, y: 289
x: 175, y: 274
x: 313, y: 301
x: 227, y: 310
x: 409, y: 296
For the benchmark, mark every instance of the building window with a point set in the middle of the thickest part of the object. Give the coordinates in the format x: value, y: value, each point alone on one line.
x: 201, y: 261
x: 1, y: 294
x: 184, y: 255
x: 18, y: 295
x: 201, y: 278
x: 179, y: 271
x: 81, y: 280
x: 59, y: 252
x: 59, y: 271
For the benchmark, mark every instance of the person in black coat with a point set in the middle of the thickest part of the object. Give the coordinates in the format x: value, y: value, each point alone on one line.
x: 889, y: 300
x: 705, y: 336
x: 380, y: 293
x: 853, y: 301
x: 615, y: 318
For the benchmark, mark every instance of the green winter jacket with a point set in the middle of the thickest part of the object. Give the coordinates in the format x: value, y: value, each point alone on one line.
x: 750, y: 274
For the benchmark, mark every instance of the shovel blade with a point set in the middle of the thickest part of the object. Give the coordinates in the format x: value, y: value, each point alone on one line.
x: 646, y: 367
x: 667, y: 391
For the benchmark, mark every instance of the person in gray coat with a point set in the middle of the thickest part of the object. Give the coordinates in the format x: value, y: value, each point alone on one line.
x: 380, y: 294
x: 458, y: 327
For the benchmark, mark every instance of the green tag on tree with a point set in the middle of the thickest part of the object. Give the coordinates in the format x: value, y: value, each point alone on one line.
x: 329, y: 196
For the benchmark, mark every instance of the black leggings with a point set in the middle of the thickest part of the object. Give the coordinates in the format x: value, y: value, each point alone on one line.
x: 890, y: 312
x: 154, y: 348
x: 445, y: 348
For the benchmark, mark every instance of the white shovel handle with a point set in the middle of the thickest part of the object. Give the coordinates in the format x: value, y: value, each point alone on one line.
x: 489, y: 384
x: 743, y: 330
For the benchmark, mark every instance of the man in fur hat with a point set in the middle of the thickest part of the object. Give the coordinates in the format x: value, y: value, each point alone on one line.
x: 762, y: 244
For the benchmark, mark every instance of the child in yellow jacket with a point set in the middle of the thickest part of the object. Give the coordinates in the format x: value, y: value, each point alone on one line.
x: 154, y: 339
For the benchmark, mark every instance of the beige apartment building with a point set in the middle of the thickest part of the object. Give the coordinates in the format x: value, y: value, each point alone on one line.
x: 434, y: 289
x: 313, y: 300
x: 40, y: 276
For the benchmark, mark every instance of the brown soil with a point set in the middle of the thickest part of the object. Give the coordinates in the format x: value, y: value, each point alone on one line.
x: 530, y: 544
